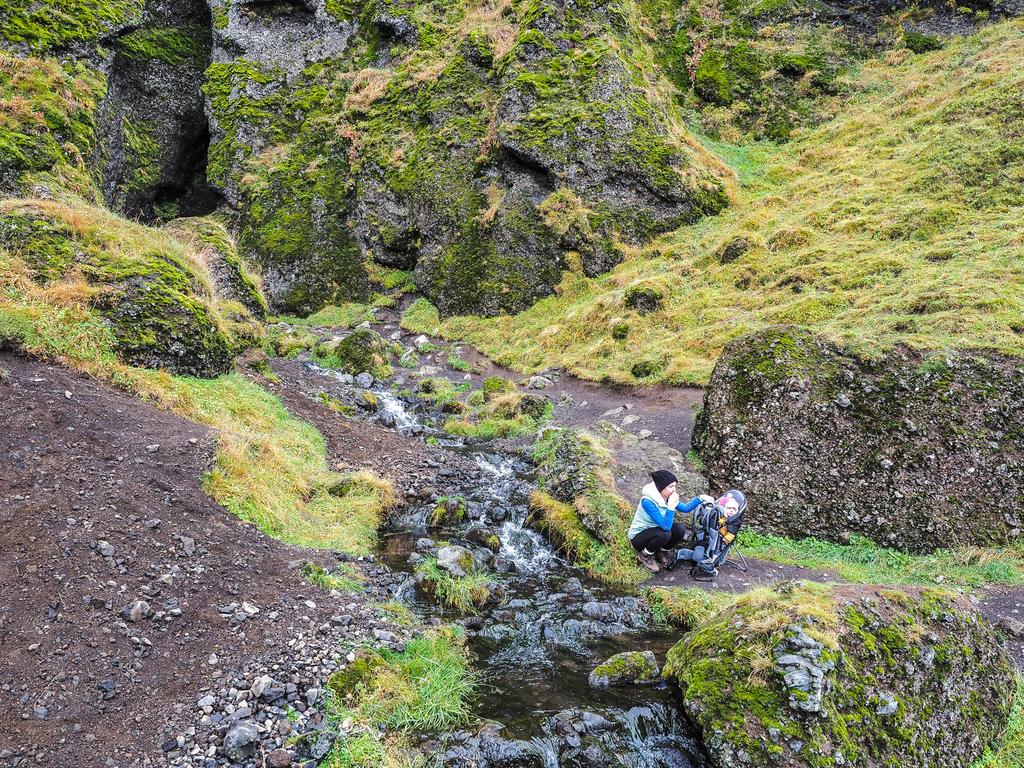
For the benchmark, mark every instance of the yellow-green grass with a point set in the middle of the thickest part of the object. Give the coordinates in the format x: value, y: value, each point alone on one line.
x: 685, y: 607
x: 612, y: 562
x: 464, y: 594
x: 271, y: 468
x: 900, y: 221
x: 1009, y: 753
x: 333, y: 316
x: 863, y: 561
x: 426, y: 687
x: 343, y: 578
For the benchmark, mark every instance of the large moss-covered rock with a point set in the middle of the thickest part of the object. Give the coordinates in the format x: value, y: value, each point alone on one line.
x: 813, y: 676
x: 913, y: 450
x: 489, y: 166
x: 362, y: 351
x: 151, y: 291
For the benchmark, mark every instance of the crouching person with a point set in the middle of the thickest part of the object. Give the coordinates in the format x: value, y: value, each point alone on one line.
x: 654, y: 532
x: 716, y: 525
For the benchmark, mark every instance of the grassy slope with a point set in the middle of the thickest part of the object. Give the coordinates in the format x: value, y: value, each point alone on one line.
x: 902, y: 220
x: 271, y: 468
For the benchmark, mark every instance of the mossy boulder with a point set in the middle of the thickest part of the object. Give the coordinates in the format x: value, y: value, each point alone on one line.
x: 645, y: 299
x: 494, y: 386
x: 456, y: 561
x: 152, y: 292
x: 216, y: 249
x: 362, y: 351
x: 817, y: 676
x: 449, y: 510
x: 628, y: 668
x: 898, y: 448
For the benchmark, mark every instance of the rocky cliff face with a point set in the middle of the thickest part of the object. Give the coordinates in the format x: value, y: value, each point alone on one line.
x: 816, y: 676
x: 915, y: 452
x: 488, y: 148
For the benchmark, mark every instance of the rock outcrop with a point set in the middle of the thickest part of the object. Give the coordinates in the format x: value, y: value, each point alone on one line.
x: 487, y: 156
x: 811, y: 675
x: 138, y: 290
x: 912, y: 450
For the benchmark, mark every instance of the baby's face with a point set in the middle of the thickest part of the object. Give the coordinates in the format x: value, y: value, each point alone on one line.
x: 731, y: 509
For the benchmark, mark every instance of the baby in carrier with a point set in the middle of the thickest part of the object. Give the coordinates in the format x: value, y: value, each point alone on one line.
x: 715, y: 526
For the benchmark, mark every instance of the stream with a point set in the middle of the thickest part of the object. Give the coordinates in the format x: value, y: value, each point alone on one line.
x: 536, y: 646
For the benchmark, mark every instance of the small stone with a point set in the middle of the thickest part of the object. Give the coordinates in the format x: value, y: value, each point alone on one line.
x: 644, y: 434
x: 364, y: 380
x: 136, y: 610
x: 152, y: 447
x: 249, y: 608
x: 280, y: 758
x: 206, y: 701
x: 383, y: 636
x: 241, y: 741
x: 105, y: 548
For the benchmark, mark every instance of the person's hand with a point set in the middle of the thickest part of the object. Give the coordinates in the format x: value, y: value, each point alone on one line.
x: 705, y: 499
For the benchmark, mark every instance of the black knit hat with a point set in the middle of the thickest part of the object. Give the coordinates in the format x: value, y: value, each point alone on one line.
x: 662, y: 479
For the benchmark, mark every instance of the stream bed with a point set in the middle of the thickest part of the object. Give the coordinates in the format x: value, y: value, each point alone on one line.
x: 536, y: 646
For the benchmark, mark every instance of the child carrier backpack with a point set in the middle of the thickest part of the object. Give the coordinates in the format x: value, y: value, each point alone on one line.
x: 706, y: 519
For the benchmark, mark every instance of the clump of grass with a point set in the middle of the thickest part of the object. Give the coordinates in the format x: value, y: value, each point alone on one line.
x: 344, y: 578
x: 896, y: 222
x: 685, y: 607
x: 463, y: 594
x: 397, y: 612
x: 864, y: 561
x: 427, y: 687
x: 456, y: 363
x: 1009, y: 752
x: 613, y: 562
x: 421, y: 317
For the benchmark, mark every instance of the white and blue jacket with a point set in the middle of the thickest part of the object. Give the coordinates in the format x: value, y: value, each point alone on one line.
x: 654, y: 512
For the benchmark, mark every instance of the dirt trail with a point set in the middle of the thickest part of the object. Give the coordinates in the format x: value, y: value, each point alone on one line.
x: 101, y: 505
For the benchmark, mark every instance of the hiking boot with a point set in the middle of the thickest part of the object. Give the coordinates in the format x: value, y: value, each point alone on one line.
x: 666, y: 558
x: 647, y: 561
x: 699, y: 574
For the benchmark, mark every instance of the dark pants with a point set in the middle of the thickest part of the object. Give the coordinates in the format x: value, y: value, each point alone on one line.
x: 654, y: 539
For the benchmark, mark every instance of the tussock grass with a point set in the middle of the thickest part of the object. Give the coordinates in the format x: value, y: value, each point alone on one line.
x: 344, y: 578
x: 427, y: 687
x: 463, y: 594
x: 863, y: 561
x: 900, y: 221
x: 685, y: 607
x: 1009, y: 752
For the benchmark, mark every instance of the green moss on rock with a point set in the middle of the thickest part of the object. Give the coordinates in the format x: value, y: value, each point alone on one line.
x: 152, y: 292
x: 627, y: 668
x: 362, y: 351
x: 818, y: 676
x: 48, y: 128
